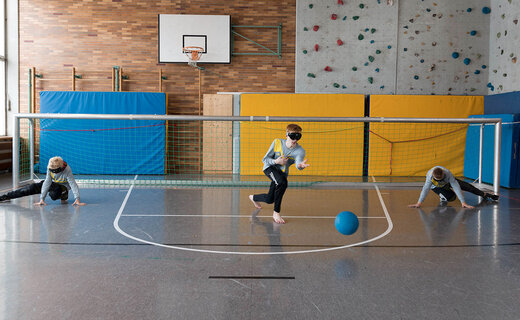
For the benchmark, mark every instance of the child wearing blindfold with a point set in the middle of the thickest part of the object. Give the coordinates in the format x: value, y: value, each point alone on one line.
x: 280, y: 156
x: 443, y: 183
x: 57, y: 183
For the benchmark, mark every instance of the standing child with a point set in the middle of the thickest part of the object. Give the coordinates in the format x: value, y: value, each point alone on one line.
x: 280, y: 156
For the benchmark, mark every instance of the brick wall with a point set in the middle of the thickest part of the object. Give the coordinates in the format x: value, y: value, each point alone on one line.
x: 95, y: 35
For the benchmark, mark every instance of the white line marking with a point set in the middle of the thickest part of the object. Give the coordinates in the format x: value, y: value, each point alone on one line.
x: 234, y: 216
x: 116, y: 226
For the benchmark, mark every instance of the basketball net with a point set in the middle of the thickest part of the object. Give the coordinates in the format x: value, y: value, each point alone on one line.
x: 193, y: 54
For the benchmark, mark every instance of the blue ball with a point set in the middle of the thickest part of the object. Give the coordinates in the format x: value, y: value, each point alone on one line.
x: 346, y: 223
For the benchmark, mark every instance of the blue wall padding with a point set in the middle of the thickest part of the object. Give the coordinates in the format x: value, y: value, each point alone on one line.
x: 502, y: 103
x: 509, y: 155
x: 104, y: 146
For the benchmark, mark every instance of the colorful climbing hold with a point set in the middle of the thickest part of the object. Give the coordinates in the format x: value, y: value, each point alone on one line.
x: 310, y: 6
x: 339, y: 42
x: 360, y: 37
x: 305, y: 29
x: 389, y: 47
x: 469, y: 10
x: 484, y: 66
x: 377, y: 70
x: 355, y: 17
x: 467, y: 61
x: 316, y: 47
x: 370, y: 79
x: 373, y: 30
x: 333, y: 16
x: 486, y: 10
x: 416, y: 77
x: 361, y: 5
x: 455, y: 55
x: 372, y: 41
x: 328, y: 69
x: 473, y: 32
x: 311, y: 75
x: 340, y: 2
x: 378, y: 51
x: 371, y: 58
x: 336, y: 85
x: 316, y: 28
x: 422, y: 60
x: 344, y: 18
x: 477, y: 72
x: 354, y: 68
x: 304, y: 51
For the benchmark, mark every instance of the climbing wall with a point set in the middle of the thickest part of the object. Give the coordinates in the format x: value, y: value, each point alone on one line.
x: 393, y: 47
x: 504, y: 75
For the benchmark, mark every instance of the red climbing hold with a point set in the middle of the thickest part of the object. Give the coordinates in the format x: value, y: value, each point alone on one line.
x: 334, y: 16
x: 340, y: 2
x: 315, y: 28
x: 340, y: 43
x: 327, y: 68
x: 316, y: 47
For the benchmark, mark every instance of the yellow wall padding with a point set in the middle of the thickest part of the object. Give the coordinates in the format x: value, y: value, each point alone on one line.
x: 331, y: 148
x: 412, y: 149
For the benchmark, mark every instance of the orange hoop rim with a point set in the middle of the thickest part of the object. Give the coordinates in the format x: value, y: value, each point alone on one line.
x: 193, y: 53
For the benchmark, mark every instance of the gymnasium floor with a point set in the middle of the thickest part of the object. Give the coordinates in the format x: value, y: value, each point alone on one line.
x: 135, y: 253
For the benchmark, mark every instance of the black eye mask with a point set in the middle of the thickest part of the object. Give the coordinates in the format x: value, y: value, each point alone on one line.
x: 295, y: 135
x: 56, y: 170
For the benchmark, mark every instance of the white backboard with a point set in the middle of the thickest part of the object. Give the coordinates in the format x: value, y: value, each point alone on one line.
x: 211, y: 32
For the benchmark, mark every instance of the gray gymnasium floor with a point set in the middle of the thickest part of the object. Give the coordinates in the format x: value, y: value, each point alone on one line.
x: 207, y: 254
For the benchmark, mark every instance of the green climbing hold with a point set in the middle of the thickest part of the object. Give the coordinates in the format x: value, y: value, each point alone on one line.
x: 336, y: 85
x: 361, y: 37
x: 311, y: 5
x: 355, y: 17
x: 305, y: 29
x: 373, y: 30
x: 371, y: 58
x: 354, y: 68
x: 304, y: 51
x: 370, y: 79
x: 361, y: 6
x: 311, y: 75
x: 378, y: 51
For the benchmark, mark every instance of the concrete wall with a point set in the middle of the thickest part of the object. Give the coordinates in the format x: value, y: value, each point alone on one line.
x: 404, y: 48
x: 504, y: 48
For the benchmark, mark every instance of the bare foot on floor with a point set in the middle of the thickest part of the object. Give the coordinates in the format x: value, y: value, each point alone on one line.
x: 277, y: 218
x: 254, y: 202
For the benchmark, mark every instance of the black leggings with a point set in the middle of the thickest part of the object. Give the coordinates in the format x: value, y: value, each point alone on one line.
x: 276, y: 190
x: 446, y: 193
x: 56, y: 191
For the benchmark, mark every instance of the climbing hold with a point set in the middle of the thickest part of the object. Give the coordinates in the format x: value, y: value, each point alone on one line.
x: 372, y: 30
x: 355, y: 17
x: 381, y: 87
x: 311, y: 75
x: 405, y: 49
x: 370, y: 79
x: 328, y: 69
x: 377, y: 70
x: 360, y: 37
x: 455, y: 55
x: 340, y: 2
x: 467, y: 61
x: 486, y: 10
x: 484, y: 66
x: 333, y: 16
x: 416, y: 77
x: 304, y: 51
x: 316, y: 47
x: 378, y: 51
x: 473, y: 32
x: 372, y: 41
x: 469, y: 10
x: 305, y: 29
x: 366, y: 64
x: 371, y: 58
x: 389, y: 47
x: 354, y: 68
x: 344, y: 18
x: 421, y: 61
x: 340, y: 43
x: 477, y: 72
x: 513, y: 60
x: 361, y: 6
x: 316, y: 28
x: 344, y: 86
x: 336, y: 85
x: 311, y: 5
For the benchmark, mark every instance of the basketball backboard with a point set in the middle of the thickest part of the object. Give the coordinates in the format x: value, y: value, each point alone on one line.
x: 211, y: 32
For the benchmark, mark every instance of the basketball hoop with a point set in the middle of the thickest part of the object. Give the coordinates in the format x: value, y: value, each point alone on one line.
x: 193, y: 54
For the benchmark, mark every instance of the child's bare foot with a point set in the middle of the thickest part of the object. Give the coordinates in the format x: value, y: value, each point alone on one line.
x: 277, y: 218
x: 254, y: 202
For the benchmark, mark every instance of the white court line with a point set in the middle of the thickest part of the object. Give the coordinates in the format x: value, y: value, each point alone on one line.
x: 234, y: 216
x: 116, y: 226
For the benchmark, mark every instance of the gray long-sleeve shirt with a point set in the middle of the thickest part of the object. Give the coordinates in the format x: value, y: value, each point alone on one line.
x: 277, y: 149
x: 65, y: 178
x: 448, y: 179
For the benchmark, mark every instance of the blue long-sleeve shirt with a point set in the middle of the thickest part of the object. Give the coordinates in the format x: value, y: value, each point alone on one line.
x: 279, y: 148
x: 448, y: 179
x: 65, y: 178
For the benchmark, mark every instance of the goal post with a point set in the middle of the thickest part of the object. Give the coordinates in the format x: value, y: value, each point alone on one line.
x: 228, y: 150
